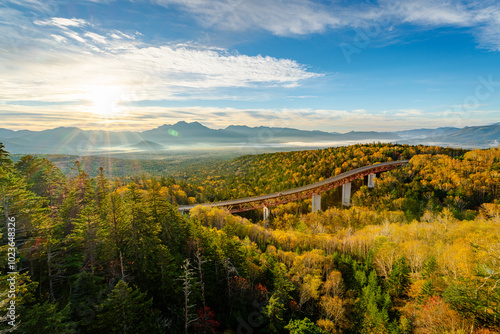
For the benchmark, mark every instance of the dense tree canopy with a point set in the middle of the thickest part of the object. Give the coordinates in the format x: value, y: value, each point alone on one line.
x: 419, y: 253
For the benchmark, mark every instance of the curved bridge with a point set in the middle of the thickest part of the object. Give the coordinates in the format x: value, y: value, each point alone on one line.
x: 312, y: 190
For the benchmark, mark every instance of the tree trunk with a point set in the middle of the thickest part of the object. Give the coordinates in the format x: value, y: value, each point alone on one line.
x: 49, y: 274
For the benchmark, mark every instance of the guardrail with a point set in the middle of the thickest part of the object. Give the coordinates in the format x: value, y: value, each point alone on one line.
x: 286, y: 196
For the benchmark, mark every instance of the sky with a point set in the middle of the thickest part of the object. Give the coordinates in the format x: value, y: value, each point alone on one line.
x: 315, y: 65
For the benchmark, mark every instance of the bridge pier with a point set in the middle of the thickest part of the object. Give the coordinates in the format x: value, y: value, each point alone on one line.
x: 266, y: 212
x: 316, y: 202
x: 371, y: 180
x: 243, y: 204
x: 346, y: 194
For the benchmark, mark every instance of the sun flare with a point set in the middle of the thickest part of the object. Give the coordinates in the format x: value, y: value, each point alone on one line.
x: 105, y: 100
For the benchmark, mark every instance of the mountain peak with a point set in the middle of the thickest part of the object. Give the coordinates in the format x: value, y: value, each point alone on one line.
x: 147, y: 145
x: 191, y: 125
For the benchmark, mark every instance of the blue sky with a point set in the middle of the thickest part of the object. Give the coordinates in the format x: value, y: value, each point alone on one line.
x: 326, y: 65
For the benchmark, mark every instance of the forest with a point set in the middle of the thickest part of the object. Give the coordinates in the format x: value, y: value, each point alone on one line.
x: 419, y: 253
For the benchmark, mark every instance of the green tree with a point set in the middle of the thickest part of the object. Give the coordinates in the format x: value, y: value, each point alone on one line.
x: 5, y: 161
x: 303, y: 326
x: 126, y: 310
x: 399, y: 278
x: 142, y: 235
x: 375, y: 305
x: 47, y: 318
x: 277, y: 308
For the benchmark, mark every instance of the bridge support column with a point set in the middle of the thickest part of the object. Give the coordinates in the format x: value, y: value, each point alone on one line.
x: 267, y: 212
x: 346, y: 194
x: 371, y: 180
x: 316, y: 203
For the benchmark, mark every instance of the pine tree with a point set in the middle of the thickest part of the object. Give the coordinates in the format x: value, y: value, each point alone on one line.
x: 141, y: 239
x: 5, y: 161
x: 48, y: 318
x: 399, y: 278
x: 277, y: 308
x: 113, y: 234
x: 86, y: 224
x: 125, y: 310
x: 375, y: 305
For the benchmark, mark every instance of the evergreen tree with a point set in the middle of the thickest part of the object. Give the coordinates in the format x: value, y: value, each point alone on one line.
x: 375, y: 305
x: 126, y: 310
x: 399, y: 278
x: 48, y: 318
x: 277, y: 309
x: 141, y: 240
x: 5, y: 161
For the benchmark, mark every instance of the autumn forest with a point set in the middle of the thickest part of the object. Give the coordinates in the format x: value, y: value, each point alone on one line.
x: 97, y: 253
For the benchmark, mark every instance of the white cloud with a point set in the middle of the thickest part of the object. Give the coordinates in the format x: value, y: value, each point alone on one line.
x: 62, y: 22
x: 96, y: 37
x: 47, y: 7
x: 430, y: 13
x: 144, y: 118
x: 72, y: 60
x: 281, y: 17
x: 72, y: 34
x: 301, y: 17
x: 73, y: 55
x: 59, y: 38
x: 120, y: 35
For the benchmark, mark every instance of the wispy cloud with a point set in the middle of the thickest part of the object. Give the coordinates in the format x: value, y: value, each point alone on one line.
x: 46, y: 58
x: 281, y: 17
x: 73, y: 55
x: 47, y: 7
x: 62, y: 22
x: 144, y: 118
x: 301, y: 17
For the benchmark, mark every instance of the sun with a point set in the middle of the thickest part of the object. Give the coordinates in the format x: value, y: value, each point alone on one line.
x: 105, y: 100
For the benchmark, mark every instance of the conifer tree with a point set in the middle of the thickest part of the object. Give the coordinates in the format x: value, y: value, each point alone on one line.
x: 399, y: 278
x: 126, y: 310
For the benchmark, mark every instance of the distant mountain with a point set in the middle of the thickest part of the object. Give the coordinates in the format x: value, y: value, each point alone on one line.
x: 468, y: 137
x: 183, y: 133
x: 290, y: 134
x: 14, y: 147
x: 71, y: 140
x: 147, y: 145
x: 366, y: 135
x: 477, y: 134
x: 6, y: 133
x: 61, y: 140
x: 264, y: 131
x: 428, y: 133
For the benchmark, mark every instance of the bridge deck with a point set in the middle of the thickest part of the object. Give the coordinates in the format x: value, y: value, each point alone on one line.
x: 250, y: 203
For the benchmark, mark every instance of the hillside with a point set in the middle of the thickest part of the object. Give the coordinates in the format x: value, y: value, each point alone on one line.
x: 196, y: 136
x: 148, y: 146
x: 478, y: 134
x: 416, y: 254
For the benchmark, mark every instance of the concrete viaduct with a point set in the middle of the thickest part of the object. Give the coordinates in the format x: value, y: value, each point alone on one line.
x: 312, y: 190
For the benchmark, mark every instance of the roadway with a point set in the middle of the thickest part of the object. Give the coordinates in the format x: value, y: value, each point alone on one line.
x: 306, y: 191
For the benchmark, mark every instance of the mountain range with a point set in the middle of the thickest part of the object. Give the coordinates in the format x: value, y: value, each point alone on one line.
x: 71, y: 140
